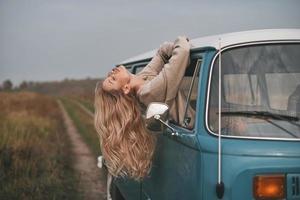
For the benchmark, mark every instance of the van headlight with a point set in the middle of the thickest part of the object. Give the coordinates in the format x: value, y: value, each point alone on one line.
x: 267, y: 187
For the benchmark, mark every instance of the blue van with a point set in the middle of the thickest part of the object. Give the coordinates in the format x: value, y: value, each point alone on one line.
x: 245, y: 142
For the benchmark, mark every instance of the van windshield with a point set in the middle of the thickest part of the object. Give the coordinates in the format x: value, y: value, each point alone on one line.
x: 260, y: 91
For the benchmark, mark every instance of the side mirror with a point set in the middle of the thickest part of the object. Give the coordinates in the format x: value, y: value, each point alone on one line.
x: 156, y: 111
x: 157, y: 116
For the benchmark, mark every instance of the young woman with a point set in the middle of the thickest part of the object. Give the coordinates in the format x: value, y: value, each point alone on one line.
x: 120, y: 100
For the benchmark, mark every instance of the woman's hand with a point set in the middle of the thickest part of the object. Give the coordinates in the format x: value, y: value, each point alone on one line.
x: 183, y: 40
x: 165, y: 51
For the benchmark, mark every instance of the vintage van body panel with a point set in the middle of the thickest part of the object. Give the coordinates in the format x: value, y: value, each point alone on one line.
x: 242, y: 160
x: 186, y: 166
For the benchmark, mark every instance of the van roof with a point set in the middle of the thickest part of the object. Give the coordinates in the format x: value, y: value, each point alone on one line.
x: 232, y: 39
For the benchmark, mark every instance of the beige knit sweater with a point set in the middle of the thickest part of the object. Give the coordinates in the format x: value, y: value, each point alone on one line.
x: 163, y: 76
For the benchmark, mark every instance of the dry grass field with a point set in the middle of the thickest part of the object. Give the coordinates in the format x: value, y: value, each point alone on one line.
x: 35, y: 161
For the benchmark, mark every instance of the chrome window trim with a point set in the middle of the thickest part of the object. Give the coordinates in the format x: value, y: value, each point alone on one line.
x: 192, y: 84
x: 209, y: 83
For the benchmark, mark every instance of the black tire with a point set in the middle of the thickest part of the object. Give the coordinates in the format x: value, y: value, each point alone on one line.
x: 115, y: 192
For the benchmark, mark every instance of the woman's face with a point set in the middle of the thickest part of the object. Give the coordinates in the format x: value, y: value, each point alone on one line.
x: 116, y: 79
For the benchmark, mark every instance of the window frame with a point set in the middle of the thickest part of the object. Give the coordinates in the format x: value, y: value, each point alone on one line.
x: 191, y: 87
x: 197, y: 56
x: 136, y: 66
x: 211, y: 66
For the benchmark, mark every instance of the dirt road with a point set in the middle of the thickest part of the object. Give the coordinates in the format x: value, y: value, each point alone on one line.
x: 92, y: 179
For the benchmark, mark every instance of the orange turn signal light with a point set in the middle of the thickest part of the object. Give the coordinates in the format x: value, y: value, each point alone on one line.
x: 267, y: 187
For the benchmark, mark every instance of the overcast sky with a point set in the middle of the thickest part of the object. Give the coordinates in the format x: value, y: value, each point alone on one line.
x: 57, y: 39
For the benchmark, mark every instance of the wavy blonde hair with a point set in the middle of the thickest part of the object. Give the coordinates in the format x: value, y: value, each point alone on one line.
x: 125, y: 143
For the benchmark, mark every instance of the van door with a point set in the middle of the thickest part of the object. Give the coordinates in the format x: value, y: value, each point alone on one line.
x: 175, y: 173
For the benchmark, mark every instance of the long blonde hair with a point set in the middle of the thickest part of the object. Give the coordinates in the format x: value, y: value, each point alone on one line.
x: 126, y: 145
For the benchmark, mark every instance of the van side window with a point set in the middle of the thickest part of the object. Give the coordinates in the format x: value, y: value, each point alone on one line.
x: 138, y: 67
x: 186, y: 99
x: 187, y: 95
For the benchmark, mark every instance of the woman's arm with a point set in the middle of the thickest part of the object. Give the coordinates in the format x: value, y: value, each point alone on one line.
x: 164, y: 86
x: 161, y: 57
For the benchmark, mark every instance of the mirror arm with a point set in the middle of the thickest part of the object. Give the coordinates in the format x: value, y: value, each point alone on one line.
x: 174, y: 132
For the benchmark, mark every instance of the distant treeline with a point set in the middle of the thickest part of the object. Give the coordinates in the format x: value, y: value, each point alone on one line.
x: 69, y: 87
